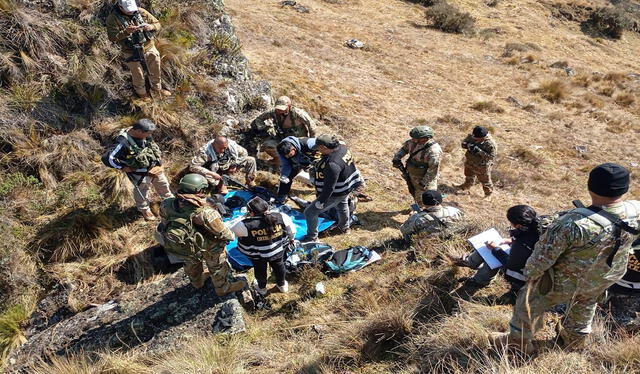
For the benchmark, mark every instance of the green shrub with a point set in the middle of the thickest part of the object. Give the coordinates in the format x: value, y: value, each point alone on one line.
x: 16, y: 180
x: 610, y: 22
x: 225, y: 44
x: 11, y: 333
x: 448, y: 18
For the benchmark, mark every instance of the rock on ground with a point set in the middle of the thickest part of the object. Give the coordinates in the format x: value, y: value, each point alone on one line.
x: 154, y: 317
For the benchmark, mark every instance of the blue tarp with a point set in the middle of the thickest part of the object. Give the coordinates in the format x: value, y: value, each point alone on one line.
x: 238, y: 260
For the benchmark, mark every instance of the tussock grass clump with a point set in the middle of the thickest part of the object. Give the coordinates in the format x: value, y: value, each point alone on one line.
x: 77, y: 234
x: 510, y: 48
x: 115, y: 187
x: 24, y: 97
x: 449, y: 19
x: 225, y: 43
x: 625, y: 99
x: 12, y: 320
x: 18, y: 270
x: 528, y: 155
x: 487, y: 106
x: 553, y: 91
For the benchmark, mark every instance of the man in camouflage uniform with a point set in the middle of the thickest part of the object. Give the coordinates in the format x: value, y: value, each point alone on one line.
x: 479, y: 158
x: 135, y: 153
x: 580, y: 255
x: 283, y: 121
x: 132, y: 27
x: 423, y: 164
x: 190, y: 205
x: 434, y: 218
x: 223, y: 156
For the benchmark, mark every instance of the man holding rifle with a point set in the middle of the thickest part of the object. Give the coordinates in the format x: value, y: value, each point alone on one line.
x: 134, y: 30
x: 423, y: 164
x: 479, y: 158
x: 135, y: 153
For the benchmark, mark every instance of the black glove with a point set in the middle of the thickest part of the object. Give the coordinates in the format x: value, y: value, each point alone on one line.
x: 474, y: 148
x: 397, y: 163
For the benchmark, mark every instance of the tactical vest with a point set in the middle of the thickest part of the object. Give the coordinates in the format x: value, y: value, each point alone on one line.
x: 421, y: 149
x: 349, y: 177
x: 291, y: 131
x: 139, y: 37
x: 260, y: 243
x: 631, y: 279
x: 181, y: 236
x: 140, y: 157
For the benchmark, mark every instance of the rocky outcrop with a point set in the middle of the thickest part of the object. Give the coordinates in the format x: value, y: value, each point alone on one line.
x: 154, y: 317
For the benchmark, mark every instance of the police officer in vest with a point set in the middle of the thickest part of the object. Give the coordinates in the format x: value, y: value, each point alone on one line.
x: 135, y: 153
x: 263, y: 237
x: 334, y: 175
x: 296, y: 156
x: 194, y: 231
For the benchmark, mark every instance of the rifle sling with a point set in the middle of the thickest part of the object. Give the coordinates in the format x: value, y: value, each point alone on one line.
x: 427, y: 146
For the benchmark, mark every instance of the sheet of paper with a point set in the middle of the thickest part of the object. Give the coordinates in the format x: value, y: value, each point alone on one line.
x: 478, y: 242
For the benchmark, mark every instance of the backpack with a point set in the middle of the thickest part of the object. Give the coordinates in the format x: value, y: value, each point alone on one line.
x: 307, y: 254
x: 180, y: 236
x: 350, y: 259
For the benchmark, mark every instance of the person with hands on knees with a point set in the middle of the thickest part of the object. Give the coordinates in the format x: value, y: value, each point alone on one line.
x: 264, y: 236
x: 296, y: 156
x: 334, y: 175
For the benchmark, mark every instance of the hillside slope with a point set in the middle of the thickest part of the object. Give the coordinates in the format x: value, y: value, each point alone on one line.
x: 395, y: 316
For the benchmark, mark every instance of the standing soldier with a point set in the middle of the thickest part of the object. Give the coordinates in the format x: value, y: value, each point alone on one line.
x: 193, y: 230
x: 423, y: 163
x: 135, y: 153
x: 283, y: 121
x: 134, y: 29
x: 223, y: 156
x: 481, y: 153
x: 581, y: 254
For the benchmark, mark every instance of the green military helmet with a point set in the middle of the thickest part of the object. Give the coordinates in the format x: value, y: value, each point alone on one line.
x: 192, y: 183
x: 420, y: 132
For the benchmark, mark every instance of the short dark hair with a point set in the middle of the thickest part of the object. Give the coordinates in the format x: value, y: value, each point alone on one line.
x: 329, y: 141
x: 523, y: 215
x: 284, y: 147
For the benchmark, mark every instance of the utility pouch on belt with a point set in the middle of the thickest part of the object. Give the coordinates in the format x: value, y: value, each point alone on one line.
x: 546, y: 282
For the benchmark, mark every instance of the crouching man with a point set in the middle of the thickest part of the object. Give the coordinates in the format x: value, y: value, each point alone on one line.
x: 434, y: 218
x: 193, y: 230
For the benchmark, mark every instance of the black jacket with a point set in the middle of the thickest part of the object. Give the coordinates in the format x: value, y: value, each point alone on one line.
x: 335, y: 174
x: 522, y: 245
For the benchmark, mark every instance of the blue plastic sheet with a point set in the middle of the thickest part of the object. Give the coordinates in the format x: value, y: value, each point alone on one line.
x: 241, y: 262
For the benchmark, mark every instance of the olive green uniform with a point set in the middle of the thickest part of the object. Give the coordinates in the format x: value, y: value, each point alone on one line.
x: 569, y: 265
x: 423, y: 167
x: 215, y: 235
x: 274, y: 127
x: 117, y: 23
x: 478, y: 164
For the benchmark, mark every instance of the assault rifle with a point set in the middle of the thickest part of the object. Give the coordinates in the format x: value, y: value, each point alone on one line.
x: 231, y: 181
x: 405, y: 175
x: 138, y: 53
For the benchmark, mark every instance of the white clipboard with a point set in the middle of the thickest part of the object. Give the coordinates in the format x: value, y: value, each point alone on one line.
x: 478, y: 242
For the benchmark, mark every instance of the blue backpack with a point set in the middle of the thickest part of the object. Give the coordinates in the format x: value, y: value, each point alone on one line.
x: 350, y: 259
x: 307, y: 254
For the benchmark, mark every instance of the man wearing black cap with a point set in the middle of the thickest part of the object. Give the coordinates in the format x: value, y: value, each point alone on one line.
x: 334, y: 175
x: 433, y: 218
x: 481, y: 152
x: 135, y: 153
x: 581, y: 254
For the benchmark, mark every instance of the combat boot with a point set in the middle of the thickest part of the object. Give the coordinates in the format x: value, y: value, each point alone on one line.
x: 570, y: 341
x: 230, y: 287
x: 504, y: 341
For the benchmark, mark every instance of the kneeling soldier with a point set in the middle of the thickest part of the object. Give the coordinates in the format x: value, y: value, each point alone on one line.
x: 434, y: 218
x: 194, y: 231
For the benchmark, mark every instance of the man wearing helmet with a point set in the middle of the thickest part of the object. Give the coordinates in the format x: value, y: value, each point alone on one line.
x: 423, y: 163
x: 283, y: 121
x: 193, y: 230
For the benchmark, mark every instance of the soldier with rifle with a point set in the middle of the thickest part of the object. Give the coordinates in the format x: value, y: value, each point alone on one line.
x: 479, y: 158
x: 134, y: 29
x: 135, y: 153
x: 423, y: 164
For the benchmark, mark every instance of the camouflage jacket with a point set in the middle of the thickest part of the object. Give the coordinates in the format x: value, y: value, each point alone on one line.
x: 206, y: 219
x: 424, y: 222
x: 207, y: 159
x: 488, y: 151
x: 297, y: 123
x: 575, y: 248
x: 117, y: 23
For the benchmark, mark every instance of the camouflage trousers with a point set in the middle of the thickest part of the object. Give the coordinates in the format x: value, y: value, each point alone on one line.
x: 482, y: 173
x: 417, y: 177
x: 534, y: 300
x: 219, y: 268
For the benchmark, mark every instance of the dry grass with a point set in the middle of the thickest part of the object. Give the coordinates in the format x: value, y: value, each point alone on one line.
x: 448, y: 18
x: 625, y: 99
x: 553, y: 91
x: 487, y: 107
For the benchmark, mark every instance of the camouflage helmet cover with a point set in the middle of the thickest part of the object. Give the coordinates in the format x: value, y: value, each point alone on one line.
x: 420, y: 132
x: 192, y: 183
